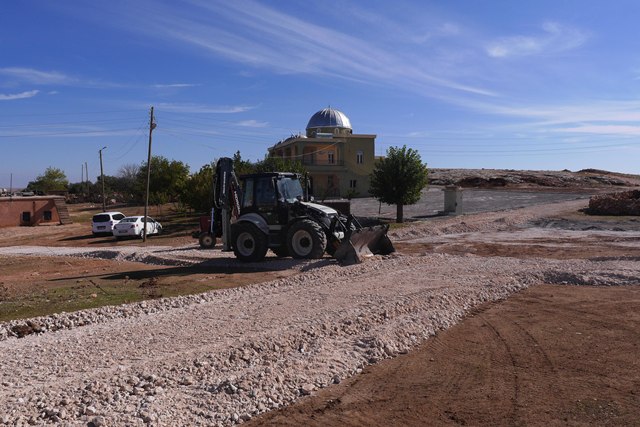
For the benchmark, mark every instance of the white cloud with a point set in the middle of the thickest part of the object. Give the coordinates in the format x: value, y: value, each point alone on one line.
x: 555, y: 38
x: 252, y: 124
x: 175, y: 85
x: 263, y: 37
x: 21, y: 95
x: 604, y: 129
x: 29, y: 75
x: 200, y: 108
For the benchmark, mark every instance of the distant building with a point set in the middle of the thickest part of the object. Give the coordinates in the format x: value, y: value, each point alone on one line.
x: 339, y: 162
x: 33, y: 210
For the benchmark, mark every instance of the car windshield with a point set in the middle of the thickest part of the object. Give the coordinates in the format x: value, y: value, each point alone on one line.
x: 101, y: 218
x: 290, y: 189
x: 129, y: 220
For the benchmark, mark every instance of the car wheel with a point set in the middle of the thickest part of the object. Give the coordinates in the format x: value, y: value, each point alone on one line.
x: 249, y: 243
x: 306, y: 240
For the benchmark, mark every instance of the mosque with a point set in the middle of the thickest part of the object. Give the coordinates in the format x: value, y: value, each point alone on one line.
x: 339, y: 161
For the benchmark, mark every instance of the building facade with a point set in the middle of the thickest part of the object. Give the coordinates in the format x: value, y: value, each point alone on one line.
x: 339, y: 162
x: 34, y: 210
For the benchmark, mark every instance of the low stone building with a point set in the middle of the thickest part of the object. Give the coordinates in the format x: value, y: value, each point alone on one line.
x: 33, y: 210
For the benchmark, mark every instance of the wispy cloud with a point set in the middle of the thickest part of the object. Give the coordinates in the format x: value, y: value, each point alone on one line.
x: 603, y: 129
x: 554, y: 38
x: 21, y: 95
x: 52, y: 78
x: 200, y: 108
x: 175, y: 85
x: 253, y: 124
x: 29, y: 75
x: 253, y: 33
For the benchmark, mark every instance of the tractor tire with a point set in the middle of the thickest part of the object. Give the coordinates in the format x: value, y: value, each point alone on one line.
x: 306, y: 240
x: 206, y: 240
x: 249, y: 243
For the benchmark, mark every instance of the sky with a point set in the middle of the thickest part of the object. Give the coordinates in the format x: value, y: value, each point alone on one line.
x: 546, y: 85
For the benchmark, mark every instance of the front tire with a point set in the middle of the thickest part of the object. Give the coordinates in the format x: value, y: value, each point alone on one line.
x: 306, y: 240
x: 249, y: 243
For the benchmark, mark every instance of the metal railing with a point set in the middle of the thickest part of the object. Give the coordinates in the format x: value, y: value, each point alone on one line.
x: 321, y: 162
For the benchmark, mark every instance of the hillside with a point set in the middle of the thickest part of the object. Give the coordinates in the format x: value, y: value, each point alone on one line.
x: 491, y: 178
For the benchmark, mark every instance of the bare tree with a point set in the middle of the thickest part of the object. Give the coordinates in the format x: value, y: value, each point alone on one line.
x: 129, y: 171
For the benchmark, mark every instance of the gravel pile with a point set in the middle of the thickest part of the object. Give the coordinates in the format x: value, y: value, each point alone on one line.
x: 223, y: 357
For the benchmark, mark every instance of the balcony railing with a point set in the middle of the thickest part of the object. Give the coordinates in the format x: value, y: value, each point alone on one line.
x: 308, y: 161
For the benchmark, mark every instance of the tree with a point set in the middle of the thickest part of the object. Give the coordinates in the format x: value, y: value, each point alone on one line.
x: 53, y: 179
x: 167, y: 180
x: 129, y: 171
x: 278, y: 164
x: 126, y: 183
x: 398, y: 178
x: 198, y: 193
x: 242, y: 167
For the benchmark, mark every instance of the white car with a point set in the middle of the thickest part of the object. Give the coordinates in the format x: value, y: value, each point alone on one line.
x: 103, y: 223
x: 132, y: 226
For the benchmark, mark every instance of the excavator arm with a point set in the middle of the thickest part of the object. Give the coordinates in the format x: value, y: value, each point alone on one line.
x: 226, y: 197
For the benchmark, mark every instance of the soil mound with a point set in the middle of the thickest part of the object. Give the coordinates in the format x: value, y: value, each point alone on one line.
x: 619, y: 203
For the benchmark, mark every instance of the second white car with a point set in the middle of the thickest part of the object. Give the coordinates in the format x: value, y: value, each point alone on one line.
x: 132, y: 226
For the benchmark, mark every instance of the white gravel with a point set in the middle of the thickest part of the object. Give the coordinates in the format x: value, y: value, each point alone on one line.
x: 222, y: 357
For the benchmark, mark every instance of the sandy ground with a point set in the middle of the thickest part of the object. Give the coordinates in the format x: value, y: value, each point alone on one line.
x: 550, y: 355
x: 561, y: 351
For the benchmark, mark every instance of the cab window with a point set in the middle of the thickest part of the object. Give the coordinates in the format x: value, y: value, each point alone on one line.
x: 247, y: 197
x: 265, y: 192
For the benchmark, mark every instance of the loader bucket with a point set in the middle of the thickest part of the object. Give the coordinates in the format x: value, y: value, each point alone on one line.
x: 362, y: 243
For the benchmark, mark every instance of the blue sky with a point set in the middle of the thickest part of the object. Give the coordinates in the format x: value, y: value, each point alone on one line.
x: 498, y: 84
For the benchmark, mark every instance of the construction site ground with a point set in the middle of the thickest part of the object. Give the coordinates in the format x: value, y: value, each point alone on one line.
x: 563, y: 351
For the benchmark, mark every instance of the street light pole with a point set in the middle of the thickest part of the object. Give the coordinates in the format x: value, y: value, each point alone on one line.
x: 104, y: 201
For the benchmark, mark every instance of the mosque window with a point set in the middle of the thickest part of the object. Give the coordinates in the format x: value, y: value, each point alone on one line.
x: 359, y: 157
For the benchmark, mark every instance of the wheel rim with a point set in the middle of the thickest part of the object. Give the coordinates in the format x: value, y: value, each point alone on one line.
x: 302, y: 243
x: 245, y: 244
x: 207, y: 240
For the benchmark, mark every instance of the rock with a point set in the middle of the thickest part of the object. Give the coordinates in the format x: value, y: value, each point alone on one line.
x: 96, y: 422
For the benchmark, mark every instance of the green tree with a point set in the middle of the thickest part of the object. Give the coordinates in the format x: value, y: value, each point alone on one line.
x: 398, y: 178
x: 53, y: 179
x: 167, y: 181
x: 198, y: 193
x: 242, y: 167
x: 278, y: 164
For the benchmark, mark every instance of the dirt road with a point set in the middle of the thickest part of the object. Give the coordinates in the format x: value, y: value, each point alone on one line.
x: 549, y: 355
x: 224, y: 357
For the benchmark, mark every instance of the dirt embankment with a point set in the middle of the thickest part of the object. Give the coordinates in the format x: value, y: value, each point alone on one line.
x: 565, y: 179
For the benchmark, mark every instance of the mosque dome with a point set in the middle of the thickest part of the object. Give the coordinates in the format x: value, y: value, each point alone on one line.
x: 329, y: 120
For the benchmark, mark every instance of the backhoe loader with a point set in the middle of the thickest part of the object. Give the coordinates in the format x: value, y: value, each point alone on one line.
x: 256, y: 212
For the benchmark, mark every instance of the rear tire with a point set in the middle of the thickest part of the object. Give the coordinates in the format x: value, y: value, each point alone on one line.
x: 249, y: 243
x: 306, y: 240
x: 207, y: 240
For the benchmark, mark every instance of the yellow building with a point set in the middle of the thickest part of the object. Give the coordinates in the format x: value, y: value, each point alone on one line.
x: 339, y: 162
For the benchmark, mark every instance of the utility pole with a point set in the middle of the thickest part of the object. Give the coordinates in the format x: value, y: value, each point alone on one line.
x: 104, y: 201
x: 152, y: 126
